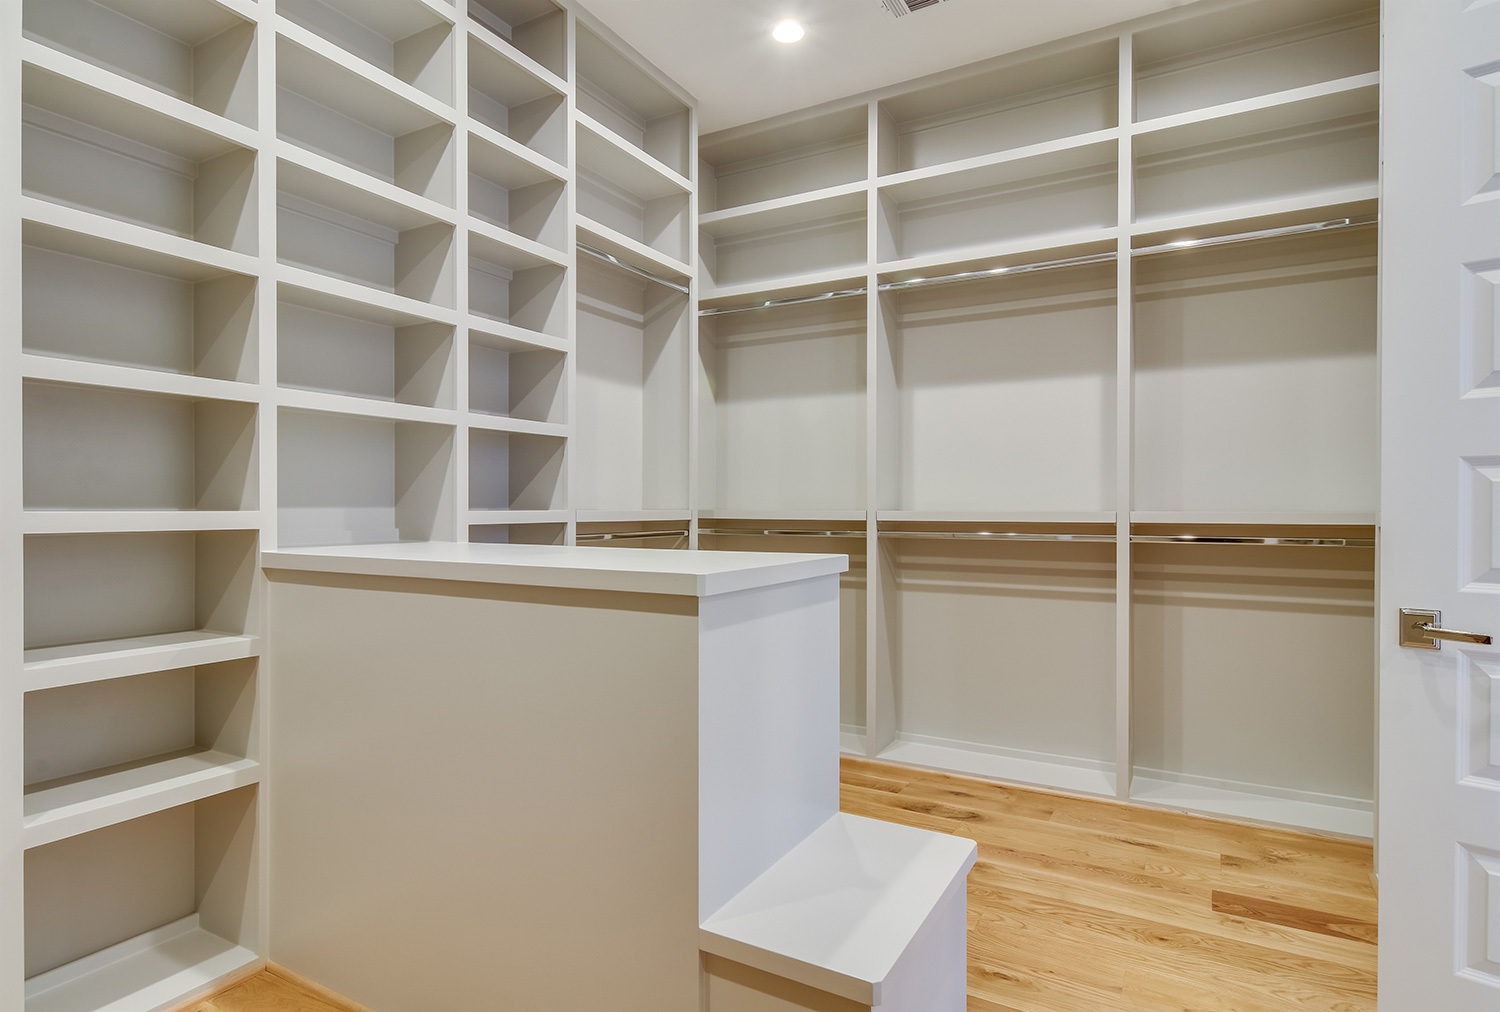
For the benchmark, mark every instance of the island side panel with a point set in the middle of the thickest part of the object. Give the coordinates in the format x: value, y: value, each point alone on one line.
x: 484, y: 792
x: 770, y: 729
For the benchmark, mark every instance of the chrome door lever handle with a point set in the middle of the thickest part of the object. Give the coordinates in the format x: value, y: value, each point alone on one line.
x: 1420, y: 629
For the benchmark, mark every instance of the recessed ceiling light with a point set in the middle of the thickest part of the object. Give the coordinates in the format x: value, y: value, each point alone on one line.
x: 787, y: 31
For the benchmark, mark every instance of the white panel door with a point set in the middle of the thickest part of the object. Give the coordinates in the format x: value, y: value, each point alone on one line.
x: 1439, y: 799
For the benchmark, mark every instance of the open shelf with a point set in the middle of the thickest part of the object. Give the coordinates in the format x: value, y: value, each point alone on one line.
x: 1000, y: 657
x: 89, y: 148
x: 503, y: 290
x: 148, y: 312
x: 535, y: 29
x: 1019, y: 104
x: 795, y: 158
x: 853, y: 596
x: 199, y: 51
x: 1250, y: 50
x: 631, y: 421
x: 657, y: 225
x: 96, y: 448
x: 330, y: 226
x: 351, y: 479
x: 528, y: 532
x: 1255, y: 382
x: 1326, y: 142
x: 101, y: 752
x: 1232, y: 640
x: 52, y: 667
x: 766, y: 250
x: 330, y: 103
x: 632, y: 251
x: 613, y: 91
x: 998, y: 395
x: 782, y: 414
x: 411, y: 40
x: 86, y: 588
x: 516, y: 471
x: 511, y: 189
x: 144, y: 914
x: 346, y: 347
x: 1046, y: 194
x: 510, y: 98
x: 512, y: 379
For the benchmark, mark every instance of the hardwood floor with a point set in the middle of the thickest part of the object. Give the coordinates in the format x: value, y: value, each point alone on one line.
x: 1080, y: 905
x: 1090, y: 906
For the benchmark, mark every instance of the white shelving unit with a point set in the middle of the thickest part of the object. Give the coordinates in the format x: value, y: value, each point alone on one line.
x: 289, y: 272
x: 416, y: 270
x: 1007, y: 328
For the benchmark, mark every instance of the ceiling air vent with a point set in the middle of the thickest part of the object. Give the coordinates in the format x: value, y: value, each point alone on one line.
x: 901, y: 8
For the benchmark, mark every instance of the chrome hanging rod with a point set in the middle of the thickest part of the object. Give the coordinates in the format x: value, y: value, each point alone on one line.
x: 599, y: 254
x: 1000, y: 536
x: 631, y: 535
x: 995, y: 272
x: 1331, y: 225
x: 722, y: 531
x: 1052, y: 265
x: 791, y: 300
x: 1198, y: 539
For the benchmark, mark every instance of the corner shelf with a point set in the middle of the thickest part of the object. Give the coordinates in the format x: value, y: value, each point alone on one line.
x: 106, y: 798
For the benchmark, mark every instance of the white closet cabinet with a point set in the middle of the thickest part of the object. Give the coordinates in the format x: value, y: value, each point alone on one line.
x: 1023, y: 335
x: 288, y: 272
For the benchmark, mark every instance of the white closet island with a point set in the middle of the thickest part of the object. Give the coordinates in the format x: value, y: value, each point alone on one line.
x: 577, y: 778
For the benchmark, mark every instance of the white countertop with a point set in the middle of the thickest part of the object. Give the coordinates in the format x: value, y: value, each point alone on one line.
x: 631, y: 570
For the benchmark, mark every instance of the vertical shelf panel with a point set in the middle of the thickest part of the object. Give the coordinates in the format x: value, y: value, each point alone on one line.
x: 784, y: 426
x: 631, y: 441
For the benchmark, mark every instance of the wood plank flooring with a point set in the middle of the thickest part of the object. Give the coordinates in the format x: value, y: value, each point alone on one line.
x: 1081, y: 905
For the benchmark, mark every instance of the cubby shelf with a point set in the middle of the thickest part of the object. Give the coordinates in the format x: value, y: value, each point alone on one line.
x: 1264, y: 518
x: 89, y: 521
x: 631, y: 251
x: 1355, y: 92
x: 52, y: 667
x: 996, y: 517
x: 782, y: 211
x: 201, y: 52
x: 146, y: 381
x: 633, y: 517
x: 1053, y: 246
x: 504, y: 51
x: 364, y: 407
x: 77, y: 89
x: 337, y: 291
x: 323, y: 180
x: 108, y: 798
x: 305, y: 63
x: 510, y: 163
x: 478, y: 518
x: 815, y: 282
x: 341, y: 107
x: 508, y: 337
x: 934, y: 174
x: 507, y: 249
x: 500, y: 423
x: 607, y: 154
x: 151, y: 971
x: 99, y: 237
x: 410, y: 42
